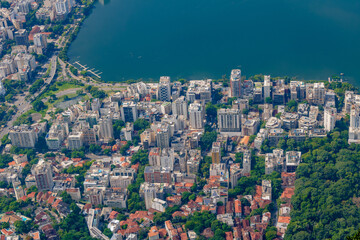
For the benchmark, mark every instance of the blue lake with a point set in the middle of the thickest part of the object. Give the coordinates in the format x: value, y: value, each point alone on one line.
x: 133, y: 39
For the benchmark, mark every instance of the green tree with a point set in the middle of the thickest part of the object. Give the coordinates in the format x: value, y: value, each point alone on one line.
x: 94, y: 148
x: 211, y: 112
x: 117, y: 126
x: 22, y: 227
x: 107, y: 232
x: 268, y: 100
x: 38, y: 105
x: 207, y: 140
x: 141, y: 125
x: 32, y: 189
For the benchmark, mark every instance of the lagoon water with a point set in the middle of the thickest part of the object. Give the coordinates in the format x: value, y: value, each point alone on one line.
x: 132, y: 39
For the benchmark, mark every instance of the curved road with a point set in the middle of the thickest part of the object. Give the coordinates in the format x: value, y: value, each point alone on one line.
x: 25, y: 105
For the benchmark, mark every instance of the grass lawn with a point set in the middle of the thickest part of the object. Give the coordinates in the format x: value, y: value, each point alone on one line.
x: 61, y: 86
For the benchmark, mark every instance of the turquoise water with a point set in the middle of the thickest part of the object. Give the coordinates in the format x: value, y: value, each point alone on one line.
x: 132, y: 39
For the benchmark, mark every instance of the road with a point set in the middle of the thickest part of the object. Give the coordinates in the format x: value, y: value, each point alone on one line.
x: 25, y: 105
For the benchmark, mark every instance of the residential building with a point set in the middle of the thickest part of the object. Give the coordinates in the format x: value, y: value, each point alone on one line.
x: 149, y: 194
x: 164, y: 90
x: 315, y: 93
x: 128, y: 112
x: 229, y: 120
x: 156, y: 174
x: 216, y: 152
x: 56, y: 135
x: 43, y: 175
x: 274, y: 161
x: 293, y: 159
x: 235, y: 83
x: 307, y: 123
x: 167, y: 158
x: 250, y: 127
x: 106, y: 131
x: 179, y: 107
x: 159, y: 205
x: 40, y: 40
x: 267, y: 86
x: 163, y: 136
x: 96, y: 196
x: 289, y: 120
x: 235, y: 174
x: 329, y: 118
x: 23, y: 136
x: 75, y: 140
x: 196, y: 115
x: 266, y: 190
x: 22, y: 37
x: 246, y: 162
x: 199, y: 90
x: 297, y: 90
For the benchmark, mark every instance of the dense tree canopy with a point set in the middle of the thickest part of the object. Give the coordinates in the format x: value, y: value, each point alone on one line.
x: 327, y: 190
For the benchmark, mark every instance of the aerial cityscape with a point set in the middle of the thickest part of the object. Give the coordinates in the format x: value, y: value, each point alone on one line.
x: 237, y: 157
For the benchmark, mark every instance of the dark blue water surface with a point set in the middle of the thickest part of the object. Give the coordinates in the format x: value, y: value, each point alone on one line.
x: 132, y: 39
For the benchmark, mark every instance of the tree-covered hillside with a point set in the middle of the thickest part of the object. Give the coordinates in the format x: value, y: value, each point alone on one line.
x: 327, y: 196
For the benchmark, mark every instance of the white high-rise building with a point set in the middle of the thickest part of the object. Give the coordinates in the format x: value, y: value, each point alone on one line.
x: 229, y: 120
x: 354, y: 129
x: 179, y: 107
x: 23, y: 136
x: 164, y: 91
x: 167, y: 158
x: 106, y: 128
x: 163, y: 136
x: 75, y: 140
x: 355, y: 117
x: 329, y: 119
x: 235, y: 83
x: 43, y: 175
x: 40, y: 40
x: 196, y: 115
x: 2, y: 88
x: 61, y: 7
x: 149, y: 194
x: 267, y: 86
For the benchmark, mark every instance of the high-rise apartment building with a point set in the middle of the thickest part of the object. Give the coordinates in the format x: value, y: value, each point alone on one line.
x: 75, y: 140
x: 329, y: 118
x: 200, y: 91
x: 163, y: 136
x: 40, y: 40
x: 196, y: 115
x: 156, y: 174
x: 229, y: 120
x: 149, y: 194
x: 235, y: 83
x: 106, y: 128
x: 22, y: 37
x: 23, y: 136
x: 247, y: 162
x: 164, y: 90
x: 355, y: 117
x: 43, y: 175
x: 267, y: 86
x: 354, y: 129
x: 179, y: 107
x: 216, y: 152
x: 128, y: 111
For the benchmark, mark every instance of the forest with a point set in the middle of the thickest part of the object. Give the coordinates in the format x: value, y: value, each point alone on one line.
x: 327, y: 191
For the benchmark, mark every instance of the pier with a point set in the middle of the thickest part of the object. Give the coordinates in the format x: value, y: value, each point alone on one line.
x: 93, y: 71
